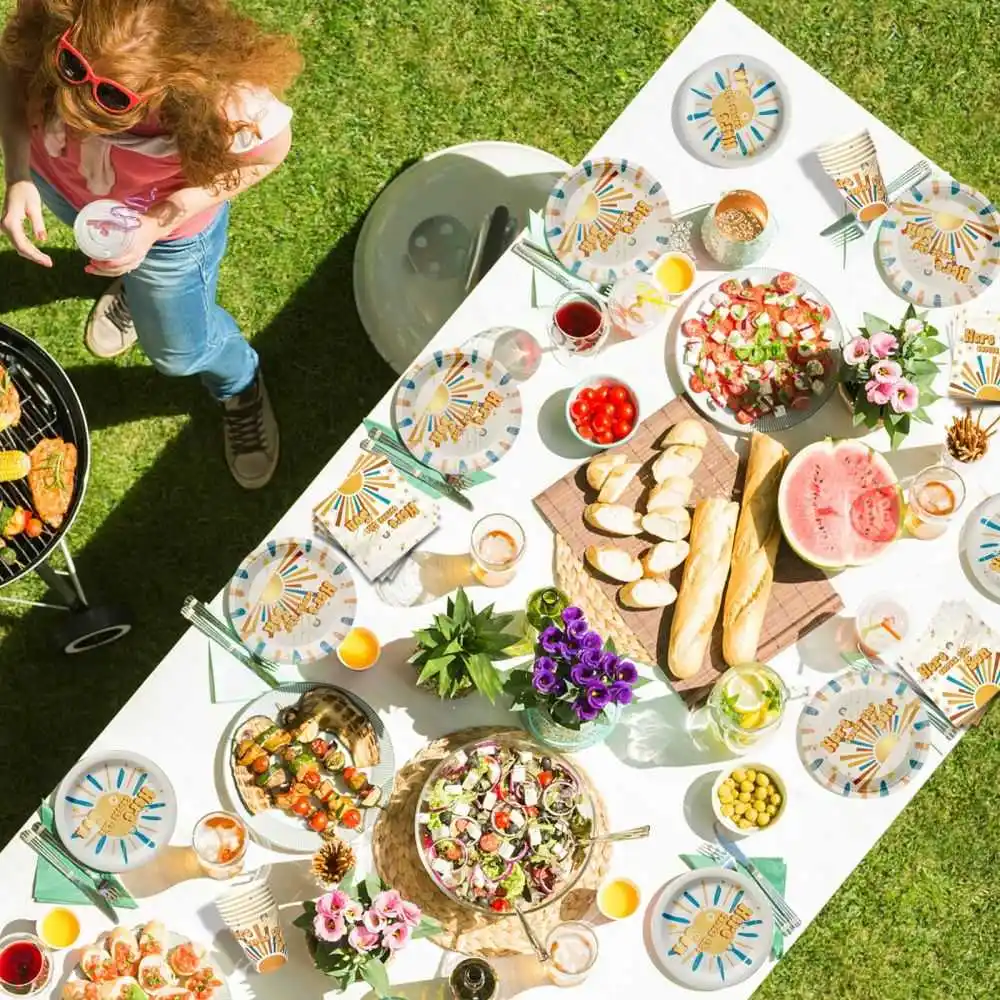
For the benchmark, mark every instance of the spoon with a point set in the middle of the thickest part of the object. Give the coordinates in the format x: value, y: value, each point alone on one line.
x: 540, y: 953
x: 636, y: 833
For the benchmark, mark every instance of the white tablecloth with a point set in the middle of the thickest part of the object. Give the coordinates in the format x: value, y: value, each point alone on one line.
x: 651, y: 771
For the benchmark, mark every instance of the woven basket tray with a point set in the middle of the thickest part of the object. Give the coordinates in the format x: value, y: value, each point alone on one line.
x: 467, y: 931
x: 801, y: 598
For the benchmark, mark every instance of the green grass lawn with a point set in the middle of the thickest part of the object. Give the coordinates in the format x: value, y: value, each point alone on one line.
x: 386, y: 82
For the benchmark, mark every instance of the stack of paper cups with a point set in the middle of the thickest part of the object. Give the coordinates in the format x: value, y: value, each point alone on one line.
x: 852, y: 163
x: 251, y: 913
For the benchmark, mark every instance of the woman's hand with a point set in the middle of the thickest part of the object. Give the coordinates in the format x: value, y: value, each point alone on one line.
x: 23, y: 202
x: 148, y: 231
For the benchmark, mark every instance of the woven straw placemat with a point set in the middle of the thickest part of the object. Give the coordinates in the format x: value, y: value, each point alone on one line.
x: 468, y: 931
x: 801, y: 598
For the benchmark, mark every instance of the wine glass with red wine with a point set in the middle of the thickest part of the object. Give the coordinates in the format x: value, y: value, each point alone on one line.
x: 580, y: 325
x: 25, y: 967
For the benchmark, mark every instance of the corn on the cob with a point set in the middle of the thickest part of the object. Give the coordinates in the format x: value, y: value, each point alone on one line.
x: 14, y: 465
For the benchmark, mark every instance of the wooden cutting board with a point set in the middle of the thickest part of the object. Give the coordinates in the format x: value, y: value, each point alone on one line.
x: 801, y: 598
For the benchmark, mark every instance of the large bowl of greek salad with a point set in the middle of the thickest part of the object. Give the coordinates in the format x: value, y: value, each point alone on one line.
x: 503, y: 824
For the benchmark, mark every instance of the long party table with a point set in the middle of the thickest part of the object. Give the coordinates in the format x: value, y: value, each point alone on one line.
x: 651, y: 771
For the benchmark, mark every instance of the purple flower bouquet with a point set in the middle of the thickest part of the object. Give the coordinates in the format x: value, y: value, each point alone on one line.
x: 353, y: 931
x: 576, y: 676
x: 888, y: 372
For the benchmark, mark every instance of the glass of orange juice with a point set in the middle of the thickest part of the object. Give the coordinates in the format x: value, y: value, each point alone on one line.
x: 675, y: 272
x: 359, y: 649
x: 618, y: 898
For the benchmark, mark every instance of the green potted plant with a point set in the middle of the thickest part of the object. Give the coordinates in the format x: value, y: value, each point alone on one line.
x: 456, y: 654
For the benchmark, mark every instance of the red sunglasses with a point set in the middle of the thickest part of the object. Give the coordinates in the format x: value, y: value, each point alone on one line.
x: 75, y: 70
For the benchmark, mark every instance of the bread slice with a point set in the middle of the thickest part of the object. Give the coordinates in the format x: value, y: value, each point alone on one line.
x: 676, y: 460
x: 663, y: 557
x: 688, y: 431
x: 617, y: 483
x: 656, y: 592
x: 600, y: 467
x: 670, y: 525
x: 615, y: 563
x: 613, y: 518
x: 674, y: 491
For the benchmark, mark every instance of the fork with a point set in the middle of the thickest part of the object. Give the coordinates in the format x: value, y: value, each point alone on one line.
x: 105, y: 886
x: 847, y: 228
x: 456, y: 480
x: 784, y: 916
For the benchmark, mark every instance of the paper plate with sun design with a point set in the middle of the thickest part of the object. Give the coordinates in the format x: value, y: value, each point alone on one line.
x: 114, y: 811
x: 864, y: 734
x: 981, y: 540
x: 711, y: 928
x: 939, y: 244
x: 731, y: 112
x: 292, y: 601
x: 457, y: 412
x: 607, y: 218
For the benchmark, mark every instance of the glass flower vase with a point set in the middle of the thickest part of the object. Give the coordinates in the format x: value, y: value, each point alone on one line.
x: 539, y: 722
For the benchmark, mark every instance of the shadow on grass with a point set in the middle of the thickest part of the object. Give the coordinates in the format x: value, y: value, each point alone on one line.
x: 184, y: 524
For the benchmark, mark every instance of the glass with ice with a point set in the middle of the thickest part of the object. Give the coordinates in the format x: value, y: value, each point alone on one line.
x: 220, y: 842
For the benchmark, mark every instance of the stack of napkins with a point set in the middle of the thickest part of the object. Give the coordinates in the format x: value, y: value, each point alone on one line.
x: 957, y: 662
x: 375, y: 517
x: 975, y: 358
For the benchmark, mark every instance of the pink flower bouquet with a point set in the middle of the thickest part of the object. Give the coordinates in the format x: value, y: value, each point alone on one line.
x: 353, y: 931
x: 888, y: 372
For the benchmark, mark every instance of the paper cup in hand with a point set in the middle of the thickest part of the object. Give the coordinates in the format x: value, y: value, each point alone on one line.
x: 853, y: 165
x: 251, y: 913
x: 105, y: 229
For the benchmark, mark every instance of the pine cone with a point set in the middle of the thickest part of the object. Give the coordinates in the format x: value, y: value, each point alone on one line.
x: 332, y: 862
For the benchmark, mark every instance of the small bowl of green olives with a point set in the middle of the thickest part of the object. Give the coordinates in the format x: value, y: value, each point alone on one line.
x: 748, y: 798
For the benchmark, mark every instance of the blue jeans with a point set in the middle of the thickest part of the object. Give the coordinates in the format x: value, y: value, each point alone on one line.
x: 171, y: 296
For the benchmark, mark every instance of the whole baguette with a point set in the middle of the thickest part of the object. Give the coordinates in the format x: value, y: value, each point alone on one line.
x: 758, y: 535
x: 697, y: 608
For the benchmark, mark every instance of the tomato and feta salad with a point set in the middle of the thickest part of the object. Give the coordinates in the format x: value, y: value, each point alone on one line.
x: 760, y: 348
x: 604, y: 413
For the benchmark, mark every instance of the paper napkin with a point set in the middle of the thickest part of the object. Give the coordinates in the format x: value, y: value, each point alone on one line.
x: 975, y: 357
x: 773, y: 869
x: 544, y: 290
x: 51, y: 887
x: 473, y: 477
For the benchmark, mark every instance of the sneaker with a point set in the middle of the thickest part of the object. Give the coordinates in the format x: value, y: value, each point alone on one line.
x: 110, y: 330
x: 251, y: 432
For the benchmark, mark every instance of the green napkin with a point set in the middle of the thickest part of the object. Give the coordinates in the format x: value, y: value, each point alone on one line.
x: 773, y: 869
x: 51, y: 887
x: 544, y: 290
x: 855, y: 658
x: 473, y: 477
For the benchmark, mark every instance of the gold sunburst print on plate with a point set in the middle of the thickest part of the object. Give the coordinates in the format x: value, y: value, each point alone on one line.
x: 457, y: 412
x: 939, y: 244
x: 292, y: 601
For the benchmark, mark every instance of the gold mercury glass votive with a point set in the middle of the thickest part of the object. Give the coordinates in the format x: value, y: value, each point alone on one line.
x: 737, y: 229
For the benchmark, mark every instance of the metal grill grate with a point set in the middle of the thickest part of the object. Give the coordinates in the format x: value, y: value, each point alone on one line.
x: 39, y: 419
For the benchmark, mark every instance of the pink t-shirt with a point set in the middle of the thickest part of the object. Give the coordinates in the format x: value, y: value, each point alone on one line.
x: 143, y: 166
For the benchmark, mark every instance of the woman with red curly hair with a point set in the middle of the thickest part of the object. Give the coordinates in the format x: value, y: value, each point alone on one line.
x: 169, y: 107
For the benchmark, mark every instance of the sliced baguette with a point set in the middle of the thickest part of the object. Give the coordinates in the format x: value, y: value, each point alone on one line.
x: 688, y: 431
x: 674, y: 491
x: 655, y: 592
x: 613, y: 518
x: 599, y: 468
x: 614, y: 563
x: 676, y: 460
x: 663, y: 557
x: 617, y: 483
x: 670, y: 525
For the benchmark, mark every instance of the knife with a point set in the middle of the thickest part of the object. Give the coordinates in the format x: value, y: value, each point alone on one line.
x: 894, y: 188
x: 411, y: 467
x: 47, y: 853
x: 757, y: 875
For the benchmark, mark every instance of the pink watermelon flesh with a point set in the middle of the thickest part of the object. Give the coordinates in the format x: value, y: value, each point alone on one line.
x: 839, y: 504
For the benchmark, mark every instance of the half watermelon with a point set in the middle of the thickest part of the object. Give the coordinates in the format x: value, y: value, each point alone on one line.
x: 839, y: 504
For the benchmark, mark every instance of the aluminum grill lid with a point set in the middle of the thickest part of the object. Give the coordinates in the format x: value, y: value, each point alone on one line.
x: 50, y: 408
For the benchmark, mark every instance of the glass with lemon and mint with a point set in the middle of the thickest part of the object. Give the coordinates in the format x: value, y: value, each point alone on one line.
x: 746, y: 705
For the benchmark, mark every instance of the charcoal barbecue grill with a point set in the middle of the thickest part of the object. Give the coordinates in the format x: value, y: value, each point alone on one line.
x: 50, y: 407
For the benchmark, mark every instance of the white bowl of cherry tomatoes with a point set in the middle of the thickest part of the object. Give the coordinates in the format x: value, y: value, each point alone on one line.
x: 602, y: 411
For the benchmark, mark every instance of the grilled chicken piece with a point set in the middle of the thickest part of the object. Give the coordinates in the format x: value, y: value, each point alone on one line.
x: 10, y: 402
x: 52, y: 478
